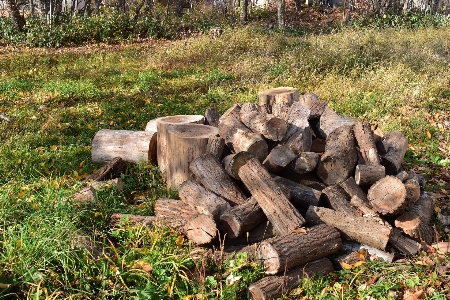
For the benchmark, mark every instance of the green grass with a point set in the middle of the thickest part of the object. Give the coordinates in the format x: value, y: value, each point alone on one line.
x: 57, y: 100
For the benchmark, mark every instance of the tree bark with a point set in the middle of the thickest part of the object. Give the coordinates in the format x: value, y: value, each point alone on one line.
x: 272, y: 128
x: 312, y: 102
x: 302, y: 196
x: 366, y: 175
x: 402, y: 243
x: 108, y: 171
x: 261, y: 232
x: 366, y: 143
x: 233, y: 162
x: 216, y: 146
x: 335, y: 197
x: 12, y: 6
x: 173, y: 213
x: 210, y: 173
x: 393, y: 148
x: 291, y: 250
x: 281, y: 9
x: 367, y: 211
x: 353, y: 189
x: 413, y: 226
x: 278, y: 158
x: 281, y: 213
x: 278, y: 95
x: 388, y: 196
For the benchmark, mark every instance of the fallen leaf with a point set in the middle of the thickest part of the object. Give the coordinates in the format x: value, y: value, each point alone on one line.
x: 428, y: 135
x: 414, y: 296
x: 180, y: 240
x: 373, y: 279
x: 358, y: 263
x: 299, y: 230
x: 346, y: 266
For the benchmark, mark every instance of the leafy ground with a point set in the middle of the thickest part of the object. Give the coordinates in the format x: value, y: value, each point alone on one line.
x: 58, y: 99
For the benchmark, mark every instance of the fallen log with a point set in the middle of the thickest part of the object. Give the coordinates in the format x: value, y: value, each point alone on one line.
x: 108, y: 171
x: 366, y: 211
x: 335, y: 197
x: 281, y: 213
x: 318, y: 145
x: 366, y: 175
x: 278, y: 159
x: 302, y: 196
x: 413, y: 226
x: 269, y: 97
x: 201, y: 230
x: 353, y: 189
x: 393, y: 148
x: 173, y: 213
x: 272, y: 128
x: 261, y: 232
x: 388, y: 196
x: 402, y: 243
x: 305, y: 162
x: 288, y: 251
x: 152, y: 125
x: 273, y: 287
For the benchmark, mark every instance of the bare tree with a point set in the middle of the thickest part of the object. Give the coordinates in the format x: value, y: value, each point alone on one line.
x: 281, y: 6
x: 12, y: 7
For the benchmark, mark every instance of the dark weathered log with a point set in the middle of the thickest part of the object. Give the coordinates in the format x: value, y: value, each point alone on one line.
x: 276, y: 206
x: 210, y: 173
x: 335, y: 197
x: 216, y: 146
x: 239, y: 137
x: 388, y: 196
x: 131, y: 146
x: 263, y: 231
x: 352, y: 189
x: 318, y: 145
x: 402, y: 175
x: 202, y: 200
x: 273, y: 287
x: 305, y: 162
x: 89, y: 192
x: 302, y: 196
x: 276, y: 95
x: 233, y: 162
x: 329, y: 121
x: 184, y: 143
x: 298, y: 136
x: 424, y: 207
x: 366, y: 143
x: 108, y: 171
x: 162, y: 124
x: 412, y: 225
x: 201, y: 230
x: 271, y: 127
x: 212, y: 117
x: 402, y: 243
x: 339, y: 160
x: 393, y: 148
x: 288, y: 251
x: 173, y: 213
x: 363, y: 230
x: 278, y: 158
x: 117, y: 219
x: 366, y: 175
x: 312, y: 102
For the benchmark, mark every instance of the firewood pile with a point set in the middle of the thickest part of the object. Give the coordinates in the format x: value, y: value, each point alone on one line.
x: 287, y: 180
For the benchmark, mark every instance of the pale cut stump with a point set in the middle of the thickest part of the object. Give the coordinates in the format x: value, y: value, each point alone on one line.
x: 269, y: 97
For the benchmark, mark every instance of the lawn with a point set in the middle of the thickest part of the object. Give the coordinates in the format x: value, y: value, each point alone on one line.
x: 58, y: 99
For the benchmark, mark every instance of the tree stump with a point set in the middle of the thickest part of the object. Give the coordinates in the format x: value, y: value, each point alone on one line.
x: 278, y: 95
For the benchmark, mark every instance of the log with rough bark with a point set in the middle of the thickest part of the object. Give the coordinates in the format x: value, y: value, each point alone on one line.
x: 212, y: 117
x: 131, y: 146
x: 89, y: 192
x: 281, y: 213
x: 420, y: 178
x: 173, y: 213
x: 413, y: 226
x: 365, y: 209
x: 272, y: 128
x: 278, y: 158
x: 233, y: 162
x: 339, y: 159
x: 402, y: 175
x: 273, y: 287
x: 305, y: 162
x: 366, y: 143
x: 298, y: 136
x: 201, y: 230
x: 278, y: 95
x: 402, y: 243
x: 314, y: 104
x: 211, y: 174
x: 366, y: 175
x: 330, y: 120
x: 392, y: 149
x: 216, y: 146
x: 288, y: 251
x: 388, y: 196
x: 335, y: 197
x: 424, y: 207
x: 108, y: 171
x: 302, y: 196
x: 184, y: 143
x: 364, y: 230
x: 202, y: 200
x: 162, y: 124
x: 353, y: 189
x: 117, y: 219
x: 239, y: 137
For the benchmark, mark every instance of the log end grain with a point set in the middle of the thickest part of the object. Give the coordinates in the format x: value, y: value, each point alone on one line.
x: 388, y: 196
x: 201, y: 230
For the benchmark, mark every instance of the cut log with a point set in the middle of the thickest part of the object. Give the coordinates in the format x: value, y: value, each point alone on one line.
x: 108, y: 171
x: 212, y: 117
x: 366, y: 175
x: 278, y: 95
x: 367, y: 211
x: 201, y: 230
x: 330, y: 120
x: 117, y: 219
x: 352, y: 189
x: 263, y: 231
x: 402, y: 175
x: 131, y: 146
x: 402, y: 243
x: 210, y: 173
x: 274, y: 287
x: 305, y: 162
x: 393, y: 148
x: 422, y: 181
x: 281, y: 213
x: 340, y: 157
x: 388, y: 196
x: 233, y: 162
x: 364, y: 230
x: 412, y: 225
x: 335, y: 197
x: 202, y: 200
x: 412, y: 190
x: 239, y: 137
x: 173, y: 213
x: 184, y: 143
x: 302, y: 196
x: 152, y: 125
x: 312, y: 102
x: 162, y: 124
x: 89, y: 192
x: 424, y: 207
x: 298, y: 136
x: 281, y: 109
x: 272, y: 128
x: 278, y: 158
x: 216, y: 146
x: 366, y: 143
x: 288, y: 251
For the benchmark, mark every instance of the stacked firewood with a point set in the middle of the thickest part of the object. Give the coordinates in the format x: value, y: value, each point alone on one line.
x: 288, y: 179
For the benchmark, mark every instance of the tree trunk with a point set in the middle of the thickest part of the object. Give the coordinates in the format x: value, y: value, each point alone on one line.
x: 244, y: 11
x: 278, y: 158
x: 277, y: 95
x: 288, y: 251
x: 272, y: 128
x: 281, y: 213
x: 12, y: 6
x: 108, y: 171
x: 393, y: 148
x: 388, y: 196
x: 281, y: 9
x: 152, y: 125
x: 413, y: 226
x: 131, y: 146
x: 366, y: 143
x: 366, y: 175
x: 367, y: 211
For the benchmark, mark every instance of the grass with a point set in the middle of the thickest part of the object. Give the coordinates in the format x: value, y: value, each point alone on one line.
x: 58, y: 99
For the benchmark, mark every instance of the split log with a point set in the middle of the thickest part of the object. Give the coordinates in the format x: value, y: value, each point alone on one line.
x: 89, y: 192
x: 363, y: 230
x: 261, y: 232
x: 412, y: 225
x: 330, y: 120
x: 216, y: 146
x: 272, y: 128
x: 202, y: 200
x: 366, y: 175
x: 278, y: 95
x: 239, y: 137
x: 353, y: 189
x: 131, y: 146
x: 340, y: 157
x: 402, y: 243
x: 111, y: 169
x: 305, y: 162
x: 288, y: 251
x: 393, y: 148
x: 312, y: 102
x: 173, y: 213
x: 298, y: 136
x: 374, y: 253
x: 302, y: 196
x: 424, y: 207
x: 184, y: 143
x: 152, y: 125
x: 278, y: 158
x: 233, y: 162
x: 162, y: 125
x: 201, y: 230
x: 366, y: 143
x: 117, y: 219
x: 335, y: 197
x: 388, y: 196
x: 211, y: 174
x: 273, y: 287
x: 276, y: 206
x: 212, y: 117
